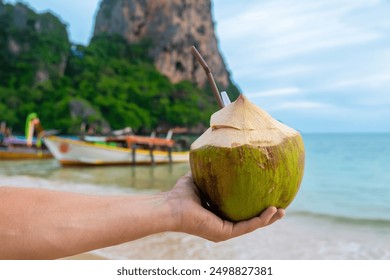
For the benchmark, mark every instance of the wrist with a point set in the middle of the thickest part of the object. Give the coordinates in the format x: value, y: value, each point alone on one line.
x: 171, y: 210
x: 161, y: 211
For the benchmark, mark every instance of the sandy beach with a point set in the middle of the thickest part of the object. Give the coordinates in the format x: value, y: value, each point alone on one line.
x: 340, y: 212
x: 294, y: 238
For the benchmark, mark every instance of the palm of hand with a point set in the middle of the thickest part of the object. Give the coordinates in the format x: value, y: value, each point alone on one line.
x: 194, y: 219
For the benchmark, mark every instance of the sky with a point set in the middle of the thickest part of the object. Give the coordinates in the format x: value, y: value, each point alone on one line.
x: 317, y: 66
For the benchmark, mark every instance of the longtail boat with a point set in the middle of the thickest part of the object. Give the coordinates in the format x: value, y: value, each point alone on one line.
x: 15, y: 148
x: 27, y: 147
x: 127, y: 150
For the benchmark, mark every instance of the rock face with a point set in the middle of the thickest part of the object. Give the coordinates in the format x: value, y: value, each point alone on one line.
x: 173, y: 26
x: 83, y: 110
x: 40, y: 39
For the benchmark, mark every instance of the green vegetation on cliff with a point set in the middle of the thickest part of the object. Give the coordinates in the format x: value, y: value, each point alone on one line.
x: 116, y: 81
x: 33, y: 47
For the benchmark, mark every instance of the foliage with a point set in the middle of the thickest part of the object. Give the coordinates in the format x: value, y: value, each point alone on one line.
x: 30, y: 43
x: 117, y: 80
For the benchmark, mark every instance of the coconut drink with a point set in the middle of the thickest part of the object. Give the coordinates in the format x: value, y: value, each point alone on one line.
x: 247, y: 161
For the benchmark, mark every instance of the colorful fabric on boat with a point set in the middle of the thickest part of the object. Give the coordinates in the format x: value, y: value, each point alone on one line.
x: 29, y: 119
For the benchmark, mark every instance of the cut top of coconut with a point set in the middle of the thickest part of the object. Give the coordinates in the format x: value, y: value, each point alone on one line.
x: 243, y: 123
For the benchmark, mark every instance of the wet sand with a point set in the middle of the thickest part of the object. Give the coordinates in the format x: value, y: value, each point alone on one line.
x: 294, y: 238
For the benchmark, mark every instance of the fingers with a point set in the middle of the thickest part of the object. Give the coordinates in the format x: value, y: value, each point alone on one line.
x: 211, y: 226
x: 267, y: 217
x: 278, y: 216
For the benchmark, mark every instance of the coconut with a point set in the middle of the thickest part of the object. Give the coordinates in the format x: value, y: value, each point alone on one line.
x: 247, y: 161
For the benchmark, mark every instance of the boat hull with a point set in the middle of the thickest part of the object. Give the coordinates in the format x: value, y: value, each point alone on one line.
x: 75, y: 152
x: 23, y: 153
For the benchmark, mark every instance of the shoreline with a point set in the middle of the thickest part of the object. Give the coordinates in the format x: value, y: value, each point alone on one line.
x: 293, y: 238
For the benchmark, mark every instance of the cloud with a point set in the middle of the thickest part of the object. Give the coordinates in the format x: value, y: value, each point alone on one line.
x: 289, y: 70
x: 278, y: 30
x: 321, y: 59
x: 378, y: 80
x: 302, y: 105
x: 286, y: 91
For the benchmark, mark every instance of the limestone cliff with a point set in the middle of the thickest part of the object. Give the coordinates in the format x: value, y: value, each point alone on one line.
x: 173, y: 26
x: 34, y: 45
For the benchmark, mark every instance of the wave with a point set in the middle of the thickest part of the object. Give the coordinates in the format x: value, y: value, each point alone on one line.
x: 358, y: 221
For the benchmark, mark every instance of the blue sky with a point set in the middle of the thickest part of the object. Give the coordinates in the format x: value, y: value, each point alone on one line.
x: 318, y: 66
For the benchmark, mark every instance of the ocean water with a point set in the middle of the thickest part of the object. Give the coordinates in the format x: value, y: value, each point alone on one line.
x: 347, y: 176
x: 342, y: 210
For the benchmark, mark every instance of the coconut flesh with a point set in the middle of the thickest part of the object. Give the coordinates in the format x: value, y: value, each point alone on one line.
x: 246, y: 161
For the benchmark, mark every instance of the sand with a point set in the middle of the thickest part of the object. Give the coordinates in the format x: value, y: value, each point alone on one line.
x: 293, y: 238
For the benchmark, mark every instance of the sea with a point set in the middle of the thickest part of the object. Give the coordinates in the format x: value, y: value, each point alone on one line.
x: 342, y: 210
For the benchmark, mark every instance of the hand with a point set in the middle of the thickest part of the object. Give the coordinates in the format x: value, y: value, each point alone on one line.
x: 194, y: 219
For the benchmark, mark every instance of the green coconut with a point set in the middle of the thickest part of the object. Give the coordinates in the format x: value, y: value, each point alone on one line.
x: 247, y: 161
